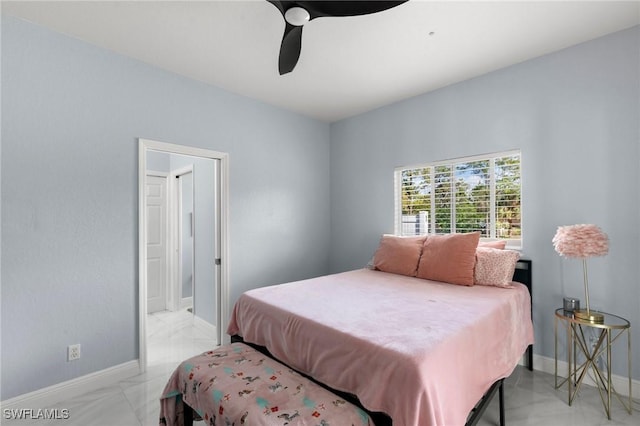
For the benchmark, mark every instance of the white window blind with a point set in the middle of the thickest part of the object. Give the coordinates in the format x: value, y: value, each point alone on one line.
x: 469, y: 194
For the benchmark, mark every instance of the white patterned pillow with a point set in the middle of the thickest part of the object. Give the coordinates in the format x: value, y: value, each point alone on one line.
x: 495, y: 267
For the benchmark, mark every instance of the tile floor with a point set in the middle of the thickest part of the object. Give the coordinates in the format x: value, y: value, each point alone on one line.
x: 172, y: 337
x: 530, y: 399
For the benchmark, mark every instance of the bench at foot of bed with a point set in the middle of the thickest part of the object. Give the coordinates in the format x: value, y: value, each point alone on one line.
x: 235, y: 384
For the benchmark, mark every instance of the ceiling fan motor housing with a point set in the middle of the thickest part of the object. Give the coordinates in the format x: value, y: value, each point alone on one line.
x: 297, y: 16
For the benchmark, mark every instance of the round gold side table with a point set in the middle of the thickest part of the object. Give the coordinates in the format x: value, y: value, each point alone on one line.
x: 610, y: 329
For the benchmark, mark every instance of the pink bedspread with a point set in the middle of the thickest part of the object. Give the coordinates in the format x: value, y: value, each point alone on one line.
x: 421, y: 351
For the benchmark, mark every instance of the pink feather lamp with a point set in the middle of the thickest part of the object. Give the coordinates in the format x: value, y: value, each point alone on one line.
x: 582, y: 241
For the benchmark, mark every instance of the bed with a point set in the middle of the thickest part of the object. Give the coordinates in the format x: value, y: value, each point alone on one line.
x: 422, y: 351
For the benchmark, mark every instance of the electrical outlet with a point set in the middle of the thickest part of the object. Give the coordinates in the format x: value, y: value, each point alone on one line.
x: 73, y: 352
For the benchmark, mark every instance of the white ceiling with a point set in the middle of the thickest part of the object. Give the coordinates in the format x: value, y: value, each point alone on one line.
x: 348, y: 65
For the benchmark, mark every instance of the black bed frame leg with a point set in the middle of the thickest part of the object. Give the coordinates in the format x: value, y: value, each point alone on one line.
x: 187, y: 415
x: 501, y: 397
x: 479, y: 409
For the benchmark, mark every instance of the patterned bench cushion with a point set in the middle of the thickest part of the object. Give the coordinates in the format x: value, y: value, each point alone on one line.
x: 235, y: 384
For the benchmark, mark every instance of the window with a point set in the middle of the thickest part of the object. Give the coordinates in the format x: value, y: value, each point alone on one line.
x: 470, y: 194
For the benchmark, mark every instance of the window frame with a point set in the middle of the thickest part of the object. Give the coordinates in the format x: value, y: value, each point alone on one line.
x: 515, y: 244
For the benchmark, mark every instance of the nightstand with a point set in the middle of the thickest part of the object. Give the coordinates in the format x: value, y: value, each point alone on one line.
x: 580, y: 350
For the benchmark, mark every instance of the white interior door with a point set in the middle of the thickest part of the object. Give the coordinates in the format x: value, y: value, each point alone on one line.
x: 186, y: 239
x: 156, y: 194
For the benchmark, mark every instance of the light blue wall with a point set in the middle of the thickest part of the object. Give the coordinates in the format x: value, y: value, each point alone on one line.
x: 72, y: 114
x: 575, y: 116
x: 158, y: 161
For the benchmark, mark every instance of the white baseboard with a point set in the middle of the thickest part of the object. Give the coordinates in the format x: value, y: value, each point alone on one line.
x: 51, y: 395
x: 620, y: 383
x: 205, y: 326
x: 186, y: 302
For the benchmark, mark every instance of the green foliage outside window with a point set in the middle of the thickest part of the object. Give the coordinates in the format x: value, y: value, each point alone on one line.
x: 458, y: 196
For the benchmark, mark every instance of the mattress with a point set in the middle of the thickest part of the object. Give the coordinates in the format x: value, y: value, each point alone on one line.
x: 424, y: 352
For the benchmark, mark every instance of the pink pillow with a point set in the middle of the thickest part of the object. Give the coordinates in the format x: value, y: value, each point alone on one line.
x: 449, y: 258
x: 500, y: 244
x: 398, y: 255
x: 495, y: 267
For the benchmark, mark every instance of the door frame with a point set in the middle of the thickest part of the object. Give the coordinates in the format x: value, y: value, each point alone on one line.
x: 223, y: 271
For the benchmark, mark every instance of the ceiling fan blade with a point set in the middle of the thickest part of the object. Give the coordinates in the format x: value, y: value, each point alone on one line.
x: 290, y: 49
x: 319, y: 9
x: 282, y: 5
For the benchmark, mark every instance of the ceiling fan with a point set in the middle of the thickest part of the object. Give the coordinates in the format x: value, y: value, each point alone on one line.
x: 297, y: 13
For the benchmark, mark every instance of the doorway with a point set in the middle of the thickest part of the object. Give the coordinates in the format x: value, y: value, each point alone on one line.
x: 196, y: 273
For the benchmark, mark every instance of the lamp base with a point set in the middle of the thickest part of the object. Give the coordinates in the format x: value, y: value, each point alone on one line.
x: 591, y: 316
